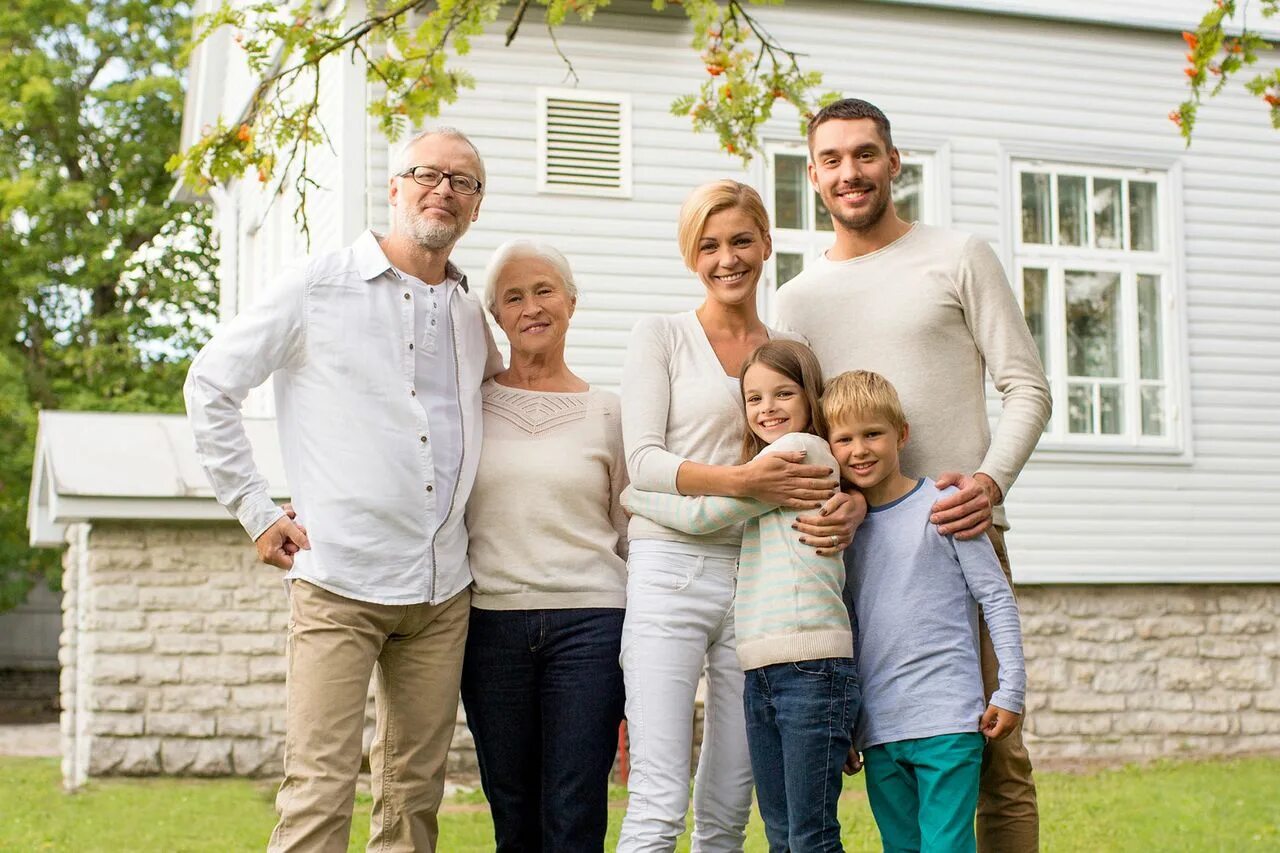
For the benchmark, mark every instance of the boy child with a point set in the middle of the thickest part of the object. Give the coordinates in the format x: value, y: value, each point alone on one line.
x: 915, y: 600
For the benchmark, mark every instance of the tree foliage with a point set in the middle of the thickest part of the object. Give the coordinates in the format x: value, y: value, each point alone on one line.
x: 105, y: 283
x: 1222, y: 46
x: 407, y: 47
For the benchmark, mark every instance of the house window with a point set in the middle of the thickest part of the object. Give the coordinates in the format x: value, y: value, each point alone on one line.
x: 802, y: 227
x: 584, y: 143
x: 1095, y: 272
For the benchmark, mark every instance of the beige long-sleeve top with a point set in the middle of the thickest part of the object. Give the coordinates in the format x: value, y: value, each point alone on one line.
x: 546, y: 524
x: 678, y: 405
x: 932, y: 312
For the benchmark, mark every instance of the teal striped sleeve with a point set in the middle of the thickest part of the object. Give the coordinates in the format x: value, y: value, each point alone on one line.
x: 695, y: 515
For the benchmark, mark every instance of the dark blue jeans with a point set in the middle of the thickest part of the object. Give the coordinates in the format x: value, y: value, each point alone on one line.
x: 544, y: 697
x: 800, y: 718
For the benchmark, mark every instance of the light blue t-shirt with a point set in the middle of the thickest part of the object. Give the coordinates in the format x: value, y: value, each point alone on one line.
x: 915, y: 596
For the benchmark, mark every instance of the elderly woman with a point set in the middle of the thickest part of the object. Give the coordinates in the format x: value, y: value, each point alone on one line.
x: 541, y: 680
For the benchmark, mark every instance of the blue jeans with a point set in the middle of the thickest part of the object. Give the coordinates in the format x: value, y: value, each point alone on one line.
x: 544, y: 698
x: 800, y: 720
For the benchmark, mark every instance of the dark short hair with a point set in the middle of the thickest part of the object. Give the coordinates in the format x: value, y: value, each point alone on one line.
x: 852, y: 108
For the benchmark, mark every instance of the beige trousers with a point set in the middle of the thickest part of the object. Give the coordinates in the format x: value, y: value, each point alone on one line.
x: 1008, y: 817
x: 335, y: 644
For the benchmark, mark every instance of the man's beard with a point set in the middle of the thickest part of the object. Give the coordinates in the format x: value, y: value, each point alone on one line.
x: 429, y: 233
x: 868, y: 219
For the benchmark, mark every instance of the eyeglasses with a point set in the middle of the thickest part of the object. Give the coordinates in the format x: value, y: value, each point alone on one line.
x: 429, y: 177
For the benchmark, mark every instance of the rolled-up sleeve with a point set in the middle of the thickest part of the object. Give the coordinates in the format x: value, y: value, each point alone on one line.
x: 264, y: 338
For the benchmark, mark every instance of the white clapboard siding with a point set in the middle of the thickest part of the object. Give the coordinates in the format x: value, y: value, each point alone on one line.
x: 987, y: 87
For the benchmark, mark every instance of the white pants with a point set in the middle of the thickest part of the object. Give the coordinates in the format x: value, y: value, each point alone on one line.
x: 680, y: 620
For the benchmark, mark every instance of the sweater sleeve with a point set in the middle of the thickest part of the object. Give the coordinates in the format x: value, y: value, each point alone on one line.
x: 646, y: 404
x: 1000, y: 332
x: 987, y: 584
x: 617, y: 474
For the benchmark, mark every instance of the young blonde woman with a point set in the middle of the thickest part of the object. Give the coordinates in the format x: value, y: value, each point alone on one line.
x: 682, y: 433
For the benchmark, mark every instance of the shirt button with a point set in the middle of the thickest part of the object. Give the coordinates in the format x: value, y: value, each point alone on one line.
x: 406, y: 296
x: 422, y: 438
x: 429, y: 488
x: 410, y: 346
x: 413, y: 393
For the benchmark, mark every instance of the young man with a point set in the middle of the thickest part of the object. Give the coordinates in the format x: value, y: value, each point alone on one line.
x: 916, y: 597
x: 931, y: 310
x: 377, y: 352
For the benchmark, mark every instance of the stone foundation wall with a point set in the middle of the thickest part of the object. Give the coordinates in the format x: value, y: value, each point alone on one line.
x: 173, y: 661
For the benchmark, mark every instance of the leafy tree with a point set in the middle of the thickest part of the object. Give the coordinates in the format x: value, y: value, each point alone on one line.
x: 1222, y: 46
x: 104, y: 282
x: 406, y: 47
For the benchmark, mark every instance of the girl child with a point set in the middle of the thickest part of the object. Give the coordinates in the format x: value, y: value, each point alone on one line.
x: 793, y: 633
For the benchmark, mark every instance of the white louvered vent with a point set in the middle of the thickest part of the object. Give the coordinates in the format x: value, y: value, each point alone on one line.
x: 584, y: 142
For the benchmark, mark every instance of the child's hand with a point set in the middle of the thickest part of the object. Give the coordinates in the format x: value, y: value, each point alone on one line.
x: 853, y: 762
x: 997, y: 723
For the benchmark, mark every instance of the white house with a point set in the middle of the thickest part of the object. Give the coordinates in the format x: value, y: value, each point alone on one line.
x: 1146, y: 528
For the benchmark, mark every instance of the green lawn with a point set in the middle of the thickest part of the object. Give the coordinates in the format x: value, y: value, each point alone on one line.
x: 1227, y: 806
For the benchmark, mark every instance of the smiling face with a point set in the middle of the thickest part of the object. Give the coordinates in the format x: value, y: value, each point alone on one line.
x: 730, y: 256
x: 436, y: 217
x: 533, y: 307
x: 775, y: 404
x: 867, y: 447
x: 853, y: 169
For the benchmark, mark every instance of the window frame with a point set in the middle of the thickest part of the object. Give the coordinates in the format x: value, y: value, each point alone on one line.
x: 545, y: 186
x: 1165, y: 261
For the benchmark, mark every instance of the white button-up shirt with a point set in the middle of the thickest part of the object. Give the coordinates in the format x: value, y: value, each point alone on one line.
x: 337, y: 336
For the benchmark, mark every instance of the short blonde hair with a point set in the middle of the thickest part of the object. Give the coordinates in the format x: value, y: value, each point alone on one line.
x: 861, y: 393
x: 710, y: 199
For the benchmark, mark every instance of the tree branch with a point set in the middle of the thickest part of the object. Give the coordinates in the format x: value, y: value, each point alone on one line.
x: 515, y: 24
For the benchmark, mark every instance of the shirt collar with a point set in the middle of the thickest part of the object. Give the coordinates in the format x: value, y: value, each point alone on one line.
x: 372, y: 262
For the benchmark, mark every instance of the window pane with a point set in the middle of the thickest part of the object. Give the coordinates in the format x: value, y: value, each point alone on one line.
x: 1080, y: 408
x: 1142, y: 216
x: 1034, y: 284
x: 1149, y: 348
x: 1072, y: 207
x: 790, y: 185
x: 907, y: 190
x: 821, y: 216
x: 1036, y: 212
x: 1111, y: 402
x: 789, y: 266
x: 1108, y: 232
x: 1093, y: 323
x: 1152, y: 410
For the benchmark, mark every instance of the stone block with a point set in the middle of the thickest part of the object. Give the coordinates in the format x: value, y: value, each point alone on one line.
x: 1047, y: 673
x: 267, y: 669
x: 153, y: 670
x: 117, y: 699
x: 258, y: 757
x: 1223, y: 648
x: 1077, y: 650
x: 112, y: 598
x: 1182, y: 674
x: 112, y: 621
x: 1159, y: 628
x: 255, y: 697
x: 118, y: 641
x: 1102, y: 630
x: 115, y: 725
x: 187, y: 644
x: 1267, y: 701
x: 260, y: 598
x: 1247, y: 674
x: 1247, y: 624
x: 216, y: 669
x: 127, y: 559
x: 183, y: 724
x: 1179, y: 723
x: 252, y: 644
x: 1242, y: 599
x: 1220, y: 701
x: 203, y: 697
x: 177, y: 755
x: 1058, y: 725
x: 239, y: 621
x: 141, y: 757
x: 1086, y: 702
x: 240, y: 724
x: 1045, y: 624
x: 1125, y: 678
x: 1158, y: 700
x: 114, y: 669
x: 195, y: 599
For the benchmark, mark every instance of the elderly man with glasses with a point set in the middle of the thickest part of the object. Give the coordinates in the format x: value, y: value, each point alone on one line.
x: 377, y: 352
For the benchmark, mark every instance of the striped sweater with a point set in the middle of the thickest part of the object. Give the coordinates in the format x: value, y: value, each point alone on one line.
x: 789, y: 605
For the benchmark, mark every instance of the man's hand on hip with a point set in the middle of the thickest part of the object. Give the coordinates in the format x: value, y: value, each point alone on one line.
x: 279, y: 542
x: 967, y: 513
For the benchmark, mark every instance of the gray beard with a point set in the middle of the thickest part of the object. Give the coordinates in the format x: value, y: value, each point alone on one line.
x: 430, y: 234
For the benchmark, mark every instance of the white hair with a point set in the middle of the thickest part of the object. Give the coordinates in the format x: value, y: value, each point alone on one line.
x: 404, y: 161
x: 520, y: 249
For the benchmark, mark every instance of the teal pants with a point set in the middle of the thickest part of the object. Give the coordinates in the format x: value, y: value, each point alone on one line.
x: 924, y: 792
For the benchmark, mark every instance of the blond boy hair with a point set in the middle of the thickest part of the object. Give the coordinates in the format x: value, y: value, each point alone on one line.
x: 861, y: 393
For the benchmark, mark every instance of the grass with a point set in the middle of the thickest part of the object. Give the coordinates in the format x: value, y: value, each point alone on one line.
x: 1210, y: 806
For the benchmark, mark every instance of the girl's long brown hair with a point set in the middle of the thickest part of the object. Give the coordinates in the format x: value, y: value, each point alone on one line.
x: 797, y: 362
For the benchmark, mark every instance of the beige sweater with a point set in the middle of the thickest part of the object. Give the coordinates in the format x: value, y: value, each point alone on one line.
x: 678, y: 405
x: 933, y: 312
x: 546, y: 526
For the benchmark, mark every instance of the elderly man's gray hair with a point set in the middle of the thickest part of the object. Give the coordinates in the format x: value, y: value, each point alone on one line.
x: 520, y: 249
x: 404, y: 161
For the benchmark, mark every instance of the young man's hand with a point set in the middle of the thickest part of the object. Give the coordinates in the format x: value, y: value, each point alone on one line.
x: 831, y: 531
x: 278, y: 543
x: 997, y: 723
x: 852, y: 762
x: 967, y: 513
